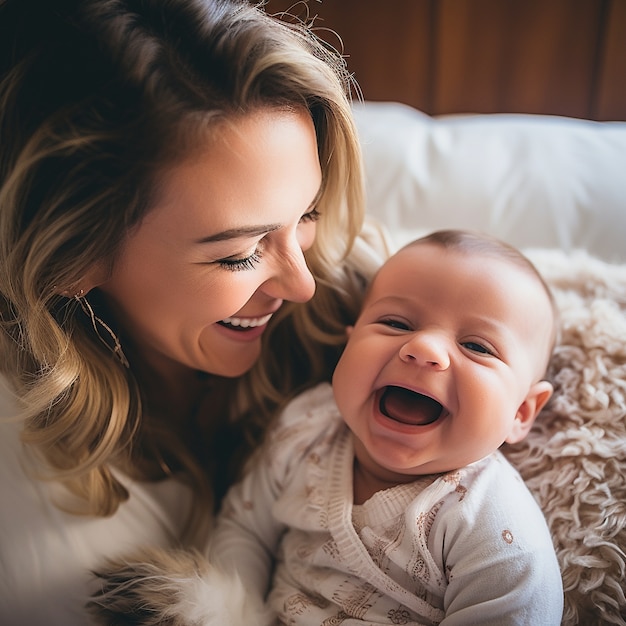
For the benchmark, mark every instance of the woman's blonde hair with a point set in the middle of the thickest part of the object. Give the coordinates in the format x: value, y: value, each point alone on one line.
x: 96, y: 98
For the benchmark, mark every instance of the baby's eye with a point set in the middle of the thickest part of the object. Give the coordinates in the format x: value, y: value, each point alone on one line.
x: 474, y: 346
x: 236, y: 265
x: 393, y: 323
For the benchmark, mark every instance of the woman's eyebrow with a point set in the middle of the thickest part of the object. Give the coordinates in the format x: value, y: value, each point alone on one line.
x: 244, y: 231
x: 251, y: 231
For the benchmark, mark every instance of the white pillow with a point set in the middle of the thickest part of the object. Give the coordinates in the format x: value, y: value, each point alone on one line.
x: 533, y: 180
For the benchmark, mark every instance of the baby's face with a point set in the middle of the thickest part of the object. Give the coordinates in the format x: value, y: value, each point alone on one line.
x: 445, y: 361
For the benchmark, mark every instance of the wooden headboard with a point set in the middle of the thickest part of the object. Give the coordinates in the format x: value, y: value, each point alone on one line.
x: 560, y: 57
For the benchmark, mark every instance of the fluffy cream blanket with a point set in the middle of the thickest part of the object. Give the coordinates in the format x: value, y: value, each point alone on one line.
x: 574, y: 459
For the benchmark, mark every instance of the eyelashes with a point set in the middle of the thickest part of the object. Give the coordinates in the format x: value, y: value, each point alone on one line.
x: 237, y: 265
x: 312, y: 216
x: 249, y: 262
x: 479, y: 348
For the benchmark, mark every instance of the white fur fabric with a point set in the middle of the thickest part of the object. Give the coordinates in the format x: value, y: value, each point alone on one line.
x: 574, y: 459
x: 157, y: 587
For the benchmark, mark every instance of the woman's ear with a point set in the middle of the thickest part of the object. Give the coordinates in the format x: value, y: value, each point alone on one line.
x: 95, y: 275
x: 535, y: 400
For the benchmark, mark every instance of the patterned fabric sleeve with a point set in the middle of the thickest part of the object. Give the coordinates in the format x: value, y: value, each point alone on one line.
x: 247, y: 533
x: 500, y: 564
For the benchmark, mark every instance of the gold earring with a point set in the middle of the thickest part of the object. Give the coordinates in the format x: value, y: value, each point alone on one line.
x: 95, y: 322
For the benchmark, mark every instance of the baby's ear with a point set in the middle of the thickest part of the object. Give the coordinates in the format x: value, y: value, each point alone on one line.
x: 527, y: 412
x: 349, y: 330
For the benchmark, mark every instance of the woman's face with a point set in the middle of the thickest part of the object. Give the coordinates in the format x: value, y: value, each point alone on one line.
x: 197, y: 281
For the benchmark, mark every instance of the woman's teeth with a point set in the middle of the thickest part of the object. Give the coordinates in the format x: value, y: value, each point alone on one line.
x: 247, y: 322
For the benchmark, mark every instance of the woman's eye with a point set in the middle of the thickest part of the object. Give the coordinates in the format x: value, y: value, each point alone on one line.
x: 311, y: 216
x: 237, y: 265
x: 473, y: 346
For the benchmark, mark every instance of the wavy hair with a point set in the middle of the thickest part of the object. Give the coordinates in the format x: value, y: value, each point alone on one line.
x: 96, y: 98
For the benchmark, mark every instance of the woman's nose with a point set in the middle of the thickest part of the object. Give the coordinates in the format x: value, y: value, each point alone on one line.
x: 292, y: 279
x: 427, y: 350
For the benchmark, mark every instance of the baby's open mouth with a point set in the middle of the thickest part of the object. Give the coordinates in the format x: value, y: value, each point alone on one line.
x: 409, y: 407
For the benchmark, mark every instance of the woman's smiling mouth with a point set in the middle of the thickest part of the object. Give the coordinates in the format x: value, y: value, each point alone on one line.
x: 245, y: 323
x: 409, y: 407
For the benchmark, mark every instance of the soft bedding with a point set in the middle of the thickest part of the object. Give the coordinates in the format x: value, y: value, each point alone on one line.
x: 574, y: 459
x: 556, y: 188
x: 533, y: 180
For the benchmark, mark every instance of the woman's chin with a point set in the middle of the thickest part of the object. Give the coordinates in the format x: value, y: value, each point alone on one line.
x: 237, y: 367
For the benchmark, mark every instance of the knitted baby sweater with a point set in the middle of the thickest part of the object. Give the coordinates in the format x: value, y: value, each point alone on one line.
x: 466, y: 547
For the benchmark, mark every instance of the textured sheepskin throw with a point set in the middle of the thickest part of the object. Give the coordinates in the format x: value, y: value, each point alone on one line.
x: 574, y: 459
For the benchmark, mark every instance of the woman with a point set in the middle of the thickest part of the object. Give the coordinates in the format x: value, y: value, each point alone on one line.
x: 177, y: 179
